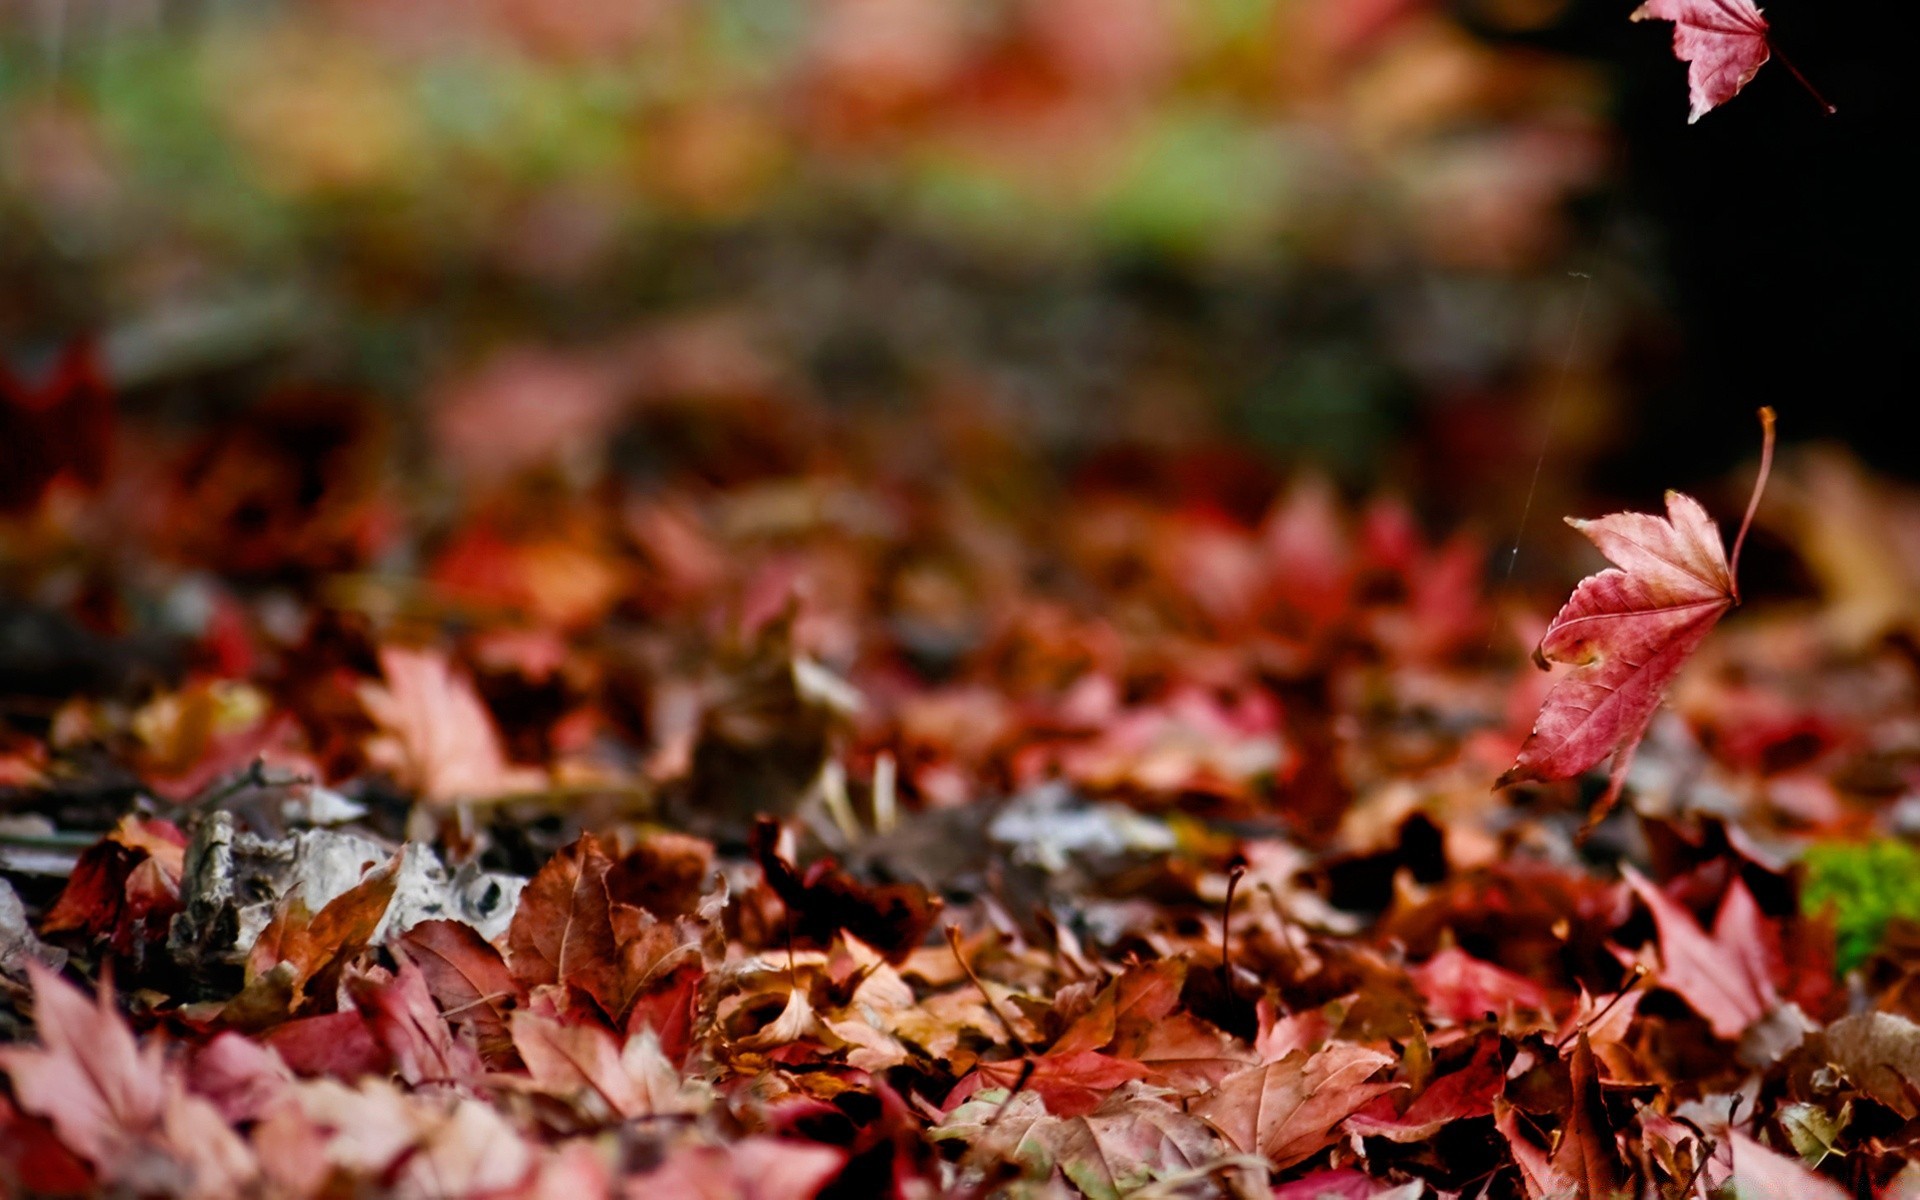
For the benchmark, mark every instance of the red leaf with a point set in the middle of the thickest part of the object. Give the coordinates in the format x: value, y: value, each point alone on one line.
x: 1072, y: 1085
x: 468, y: 979
x: 1461, y: 988
x: 1459, y: 1095
x: 1723, y: 43
x: 339, y: 1045
x: 1721, y: 977
x: 1628, y: 630
x: 402, y: 1015
x: 117, y: 1104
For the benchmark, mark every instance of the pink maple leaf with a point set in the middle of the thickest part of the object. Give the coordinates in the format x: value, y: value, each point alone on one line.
x: 1724, y: 44
x: 436, y: 735
x: 1628, y: 630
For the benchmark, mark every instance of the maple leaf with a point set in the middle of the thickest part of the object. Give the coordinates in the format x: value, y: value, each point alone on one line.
x: 1723, y: 42
x: 1459, y: 1095
x: 1461, y: 988
x: 1722, y: 975
x: 1288, y: 1110
x: 1133, y: 1137
x: 580, y: 1062
x: 117, y: 1104
x: 1628, y: 630
x: 436, y: 735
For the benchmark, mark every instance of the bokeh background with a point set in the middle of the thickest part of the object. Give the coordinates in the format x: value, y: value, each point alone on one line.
x: 1416, y: 244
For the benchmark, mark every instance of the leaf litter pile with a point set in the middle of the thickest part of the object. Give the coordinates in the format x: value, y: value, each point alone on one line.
x: 851, y: 810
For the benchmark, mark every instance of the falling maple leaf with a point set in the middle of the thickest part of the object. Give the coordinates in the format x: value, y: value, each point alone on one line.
x: 1724, y: 44
x: 1628, y: 630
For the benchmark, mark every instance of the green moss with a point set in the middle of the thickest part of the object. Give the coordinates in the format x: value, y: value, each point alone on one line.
x: 1865, y: 884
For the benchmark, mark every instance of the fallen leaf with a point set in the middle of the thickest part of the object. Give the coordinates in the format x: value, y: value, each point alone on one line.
x: 562, y: 933
x: 1132, y: 1138
x: 1880, y: 1054
x: 1458, y: 1095
x: 1070, y: 1084
x: 436, y: 736
x: 402, y: 1015
x: 1721, y: 978
x: 754, y: 1168
x: 1586, y: 1153
x: 1760, y: 1172
x: 1288, y: 1110
x: 121, y: 1106
x: 579, y: 1063
x: 469, y: 981
x: 1538, y: 1175
x: 297, y: 951
x: 1461, y: 988
x: 825, y: 901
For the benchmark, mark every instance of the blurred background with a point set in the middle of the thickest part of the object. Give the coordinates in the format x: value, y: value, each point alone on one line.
x: 1416, y: 244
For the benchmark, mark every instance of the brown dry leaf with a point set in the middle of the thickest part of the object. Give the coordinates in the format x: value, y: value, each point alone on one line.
x: 1880, y: 1053
x: 1288, y: 1110
x: 562, y: 933
x: 1586, y: 1153
x: 296, y: 952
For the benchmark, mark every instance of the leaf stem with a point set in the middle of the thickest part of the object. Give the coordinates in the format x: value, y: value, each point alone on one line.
x: 1753, y: 502
x: 1804, y: 81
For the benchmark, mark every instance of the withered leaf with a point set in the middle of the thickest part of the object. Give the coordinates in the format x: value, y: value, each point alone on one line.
x: 562, y: 932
